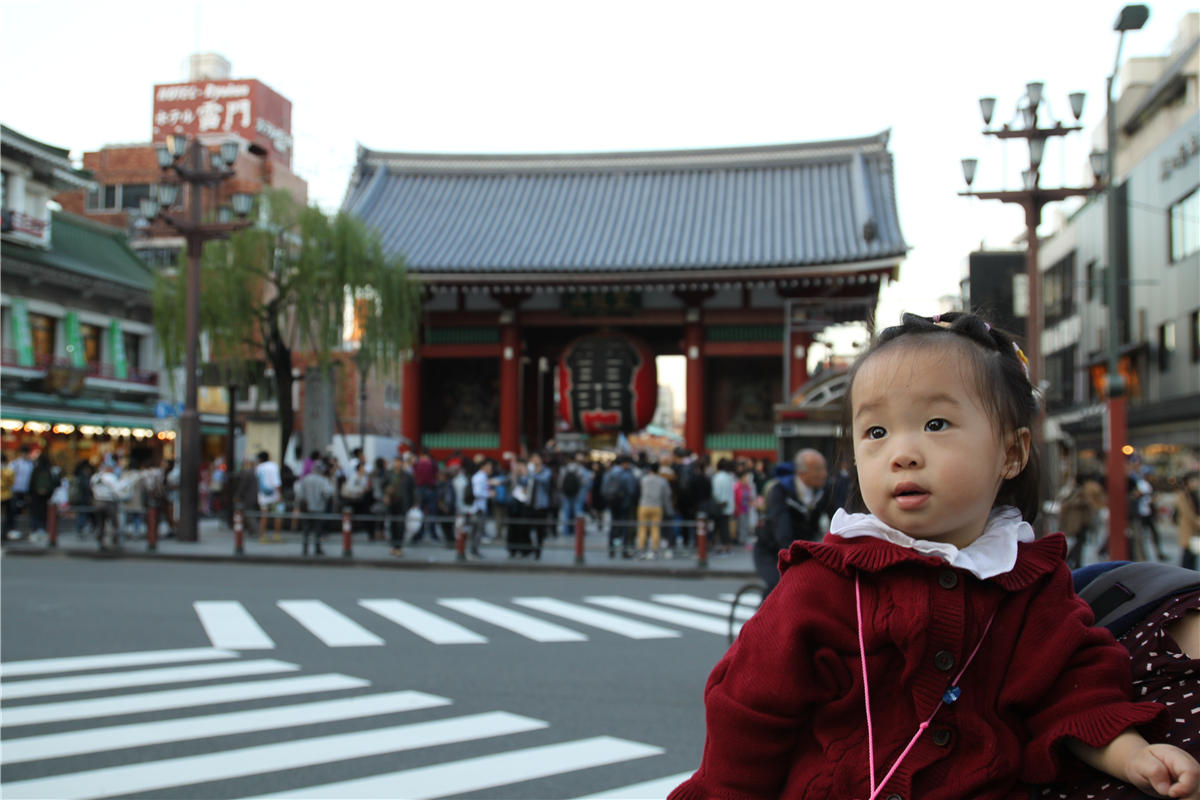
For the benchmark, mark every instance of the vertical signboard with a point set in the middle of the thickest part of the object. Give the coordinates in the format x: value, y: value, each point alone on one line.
x: 21, y: 334
x: 75, y: 351
x: 116, y: 346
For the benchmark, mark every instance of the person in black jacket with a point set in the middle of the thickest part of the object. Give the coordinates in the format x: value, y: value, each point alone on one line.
x: 798, y: 507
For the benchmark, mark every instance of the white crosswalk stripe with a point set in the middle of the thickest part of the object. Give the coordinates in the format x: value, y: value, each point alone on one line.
x: 93, y: 683
x: 647, y: 790
x: 331, y: 627
x: 14, y: 669
x: 167, y: 700
x: 423, y: 623
x: 231, y: 626
x: 688, y: 619
x: 523, y: 624
x: 484, y: 772
x: 113, y: 748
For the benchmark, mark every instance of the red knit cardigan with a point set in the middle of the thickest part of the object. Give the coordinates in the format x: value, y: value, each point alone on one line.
x: 785, y: 711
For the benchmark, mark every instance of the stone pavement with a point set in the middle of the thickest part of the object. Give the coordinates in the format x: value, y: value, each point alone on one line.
x: 217, y: 543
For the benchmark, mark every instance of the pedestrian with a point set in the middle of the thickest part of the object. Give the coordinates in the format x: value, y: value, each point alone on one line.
x: 931, y: 628
x: 519, y: 539
x: 108, y: 493
x: 798, y: 506
x: 745, y: 505
x: 620, y: 489
x: 476, y: 504
x: 22, y: 468
x: 356, y: 490
x: 654, y: 505
x: 425, y: 476
x: 399, y: 495
x: 1187, y: 509
x: 7, y: 478
x: 541, y: 502
x: 270, y: 495
x: 1076, y: 516
x: 574, y: 483
x: 314, y: 496
x: 1141, y: 501
x: 721, y: 506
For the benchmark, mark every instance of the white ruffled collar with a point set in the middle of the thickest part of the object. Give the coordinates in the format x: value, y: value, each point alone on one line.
x: 993, y: 553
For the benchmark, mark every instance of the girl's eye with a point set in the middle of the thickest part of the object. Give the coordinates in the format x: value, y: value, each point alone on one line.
x: 935, y: 425
x: 875, y: 432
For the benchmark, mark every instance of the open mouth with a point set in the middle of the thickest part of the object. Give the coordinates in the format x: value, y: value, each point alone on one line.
x: 910, y: 496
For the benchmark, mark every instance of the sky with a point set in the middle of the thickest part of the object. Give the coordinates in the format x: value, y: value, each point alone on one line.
x: 529, y: 76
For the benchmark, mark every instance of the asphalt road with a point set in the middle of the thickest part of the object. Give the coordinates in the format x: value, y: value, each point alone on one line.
x: 350, y: 682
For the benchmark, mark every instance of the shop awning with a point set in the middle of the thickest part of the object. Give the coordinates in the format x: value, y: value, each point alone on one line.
x: 68, y: 416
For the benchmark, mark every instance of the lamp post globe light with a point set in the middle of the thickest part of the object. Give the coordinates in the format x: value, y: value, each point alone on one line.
x: 191, y: 163
x: 1032, y: 196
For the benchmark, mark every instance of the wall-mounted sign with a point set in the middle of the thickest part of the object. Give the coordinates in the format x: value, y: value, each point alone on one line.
x: 602, y: 304
x: 607, y: 383
x: 247, y: 108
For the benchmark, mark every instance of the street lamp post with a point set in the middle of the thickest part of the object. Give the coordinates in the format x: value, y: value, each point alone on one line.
x: 1032, y: 197
x: 1131, y: 18
x: 197, y: 167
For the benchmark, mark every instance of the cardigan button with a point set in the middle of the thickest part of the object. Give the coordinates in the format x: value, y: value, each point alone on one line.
x: 942, y: 737
x: 947, y: 579
x: 943, y: 660
x: 894, y: 797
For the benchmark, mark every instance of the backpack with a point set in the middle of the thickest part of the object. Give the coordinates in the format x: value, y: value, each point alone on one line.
x: 468, y: 494
x: 571, y: 483
x: 613, y: 490
x: 42, y: 482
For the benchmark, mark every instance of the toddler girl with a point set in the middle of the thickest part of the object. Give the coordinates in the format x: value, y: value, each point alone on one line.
x: 930, y: 648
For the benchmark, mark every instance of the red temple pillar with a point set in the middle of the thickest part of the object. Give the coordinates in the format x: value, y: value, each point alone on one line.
x: 410, y: 401
x: 798, y: 344
x: 693, y: 350
x: 510, y: 392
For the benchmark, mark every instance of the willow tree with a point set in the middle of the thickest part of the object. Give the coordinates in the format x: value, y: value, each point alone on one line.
x: 294, y: 283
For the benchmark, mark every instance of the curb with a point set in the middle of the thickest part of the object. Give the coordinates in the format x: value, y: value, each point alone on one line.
x: 494, y: 566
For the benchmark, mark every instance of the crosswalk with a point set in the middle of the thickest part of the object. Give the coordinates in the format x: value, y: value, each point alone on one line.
x: 98, y: 749
x: 231, y: 625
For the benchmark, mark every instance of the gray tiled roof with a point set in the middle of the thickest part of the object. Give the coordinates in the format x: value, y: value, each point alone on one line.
x: 777, y: 206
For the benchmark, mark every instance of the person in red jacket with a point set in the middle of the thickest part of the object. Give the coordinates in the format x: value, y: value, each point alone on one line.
x: 930, y: 648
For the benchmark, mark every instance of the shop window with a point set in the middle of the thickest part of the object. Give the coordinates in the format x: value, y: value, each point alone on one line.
x: 1166, y: 345
x: 1185, y: 226
x: 41, y: 332
x: 133, y: 350
x: 90, y: 336
x: 1195, y: 337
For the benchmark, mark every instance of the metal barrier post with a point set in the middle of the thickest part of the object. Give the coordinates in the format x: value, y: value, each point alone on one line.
x: 151, y: 529
x: 460, y: 542
x: 51, y: 524
x: 347, y: 530
x: 702, y: 543
x: 579, y: 540
x: 239, y: 533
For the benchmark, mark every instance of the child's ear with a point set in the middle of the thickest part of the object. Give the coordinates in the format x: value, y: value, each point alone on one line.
x: 1016, y: 452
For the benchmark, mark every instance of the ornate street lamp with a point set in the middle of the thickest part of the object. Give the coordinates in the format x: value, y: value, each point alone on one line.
x: 198, y: 167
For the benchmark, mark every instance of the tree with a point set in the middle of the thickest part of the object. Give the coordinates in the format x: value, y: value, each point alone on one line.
x: 284, y: 286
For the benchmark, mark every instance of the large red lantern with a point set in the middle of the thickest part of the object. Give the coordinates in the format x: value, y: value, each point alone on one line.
x: 607, y: 383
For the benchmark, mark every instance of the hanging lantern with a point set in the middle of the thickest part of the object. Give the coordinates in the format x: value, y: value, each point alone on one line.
x: 607, y: 383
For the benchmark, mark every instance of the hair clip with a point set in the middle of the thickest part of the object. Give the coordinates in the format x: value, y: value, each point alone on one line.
x: 1021, y: 357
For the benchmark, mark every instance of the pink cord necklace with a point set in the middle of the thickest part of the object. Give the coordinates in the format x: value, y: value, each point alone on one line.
x: 948, y: 697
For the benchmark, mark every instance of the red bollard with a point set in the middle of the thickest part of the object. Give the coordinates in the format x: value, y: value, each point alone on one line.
x: 347, y: 529
x: 702, y: 543
x: 152, y: 529
x: 239, y: 533
x: 52, y: 525
x: 460, y: 542
x: 579, y: 540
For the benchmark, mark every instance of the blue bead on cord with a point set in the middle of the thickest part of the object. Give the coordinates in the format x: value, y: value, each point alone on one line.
x: 951, y: 694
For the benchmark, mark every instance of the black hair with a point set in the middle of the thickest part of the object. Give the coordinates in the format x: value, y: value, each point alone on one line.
x: 1002, y: 385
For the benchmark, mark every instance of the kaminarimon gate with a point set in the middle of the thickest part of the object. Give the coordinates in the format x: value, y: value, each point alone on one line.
x: 733, y: 258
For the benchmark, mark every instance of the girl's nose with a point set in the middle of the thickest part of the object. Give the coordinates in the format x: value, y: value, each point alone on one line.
x: 906, y: 456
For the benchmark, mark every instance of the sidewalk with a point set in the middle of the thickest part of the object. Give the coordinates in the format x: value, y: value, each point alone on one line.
x: 216, y: 544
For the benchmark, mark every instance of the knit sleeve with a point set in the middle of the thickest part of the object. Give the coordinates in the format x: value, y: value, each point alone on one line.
x: 760, y: 696
x: 1073, y: 681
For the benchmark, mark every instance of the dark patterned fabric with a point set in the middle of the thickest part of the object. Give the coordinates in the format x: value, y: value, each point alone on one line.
x: 1161, y: 673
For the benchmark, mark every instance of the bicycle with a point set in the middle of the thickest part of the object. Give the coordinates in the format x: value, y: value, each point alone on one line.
x: 745, y: 602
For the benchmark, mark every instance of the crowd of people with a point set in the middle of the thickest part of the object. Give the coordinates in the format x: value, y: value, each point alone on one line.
x: 645, y: 508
